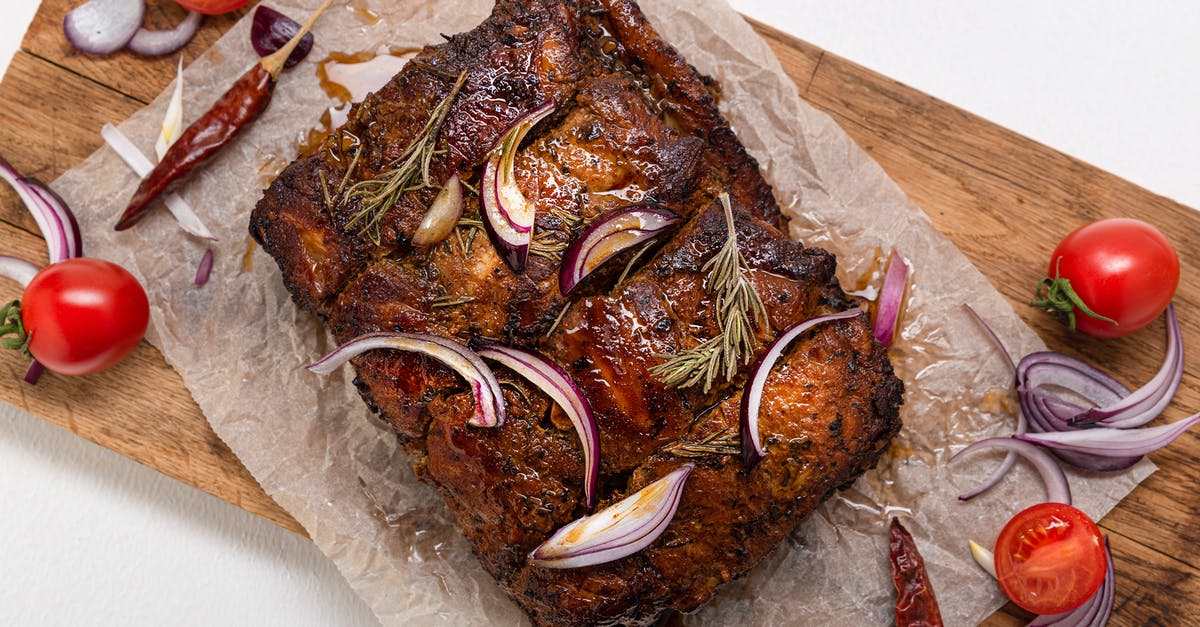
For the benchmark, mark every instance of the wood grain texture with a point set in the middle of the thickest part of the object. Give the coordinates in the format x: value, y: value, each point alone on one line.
x: 1003, y: 199
x: 140, y: 408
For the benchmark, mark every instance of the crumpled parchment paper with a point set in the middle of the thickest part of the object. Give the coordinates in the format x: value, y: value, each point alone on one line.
x: 240, y: 346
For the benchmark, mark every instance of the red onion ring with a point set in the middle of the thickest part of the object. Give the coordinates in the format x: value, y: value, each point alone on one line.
x: 155, y: 43
x: 1010, y: 458
x: 101, y: 27
x: 1112, y: 442
x: 17, y: 269
x: 752, y: 450
x: 1058, y: 490
x: 550, y: 378
x: 507, y: 215
x: 489, y: 399
x: 1148, y: 401
x: 54, y: 218
x: 605, y: 238
x: 617, y: 531
x: 1039, y: 374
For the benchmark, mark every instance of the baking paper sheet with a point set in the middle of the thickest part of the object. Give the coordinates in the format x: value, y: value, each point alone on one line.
x: 240, y: 345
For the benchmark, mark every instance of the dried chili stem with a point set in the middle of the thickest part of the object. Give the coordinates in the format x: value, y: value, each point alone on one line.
x: 723, y: 442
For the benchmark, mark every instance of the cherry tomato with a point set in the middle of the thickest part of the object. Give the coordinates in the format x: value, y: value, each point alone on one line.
x: 212, y: 7
x: 1050, y: 558
x: 83, y: 315
x: 1122, y: 269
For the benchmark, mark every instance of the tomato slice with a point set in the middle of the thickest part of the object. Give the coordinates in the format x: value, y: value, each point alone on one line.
x: 212, y: 7
x: 1050, y: 558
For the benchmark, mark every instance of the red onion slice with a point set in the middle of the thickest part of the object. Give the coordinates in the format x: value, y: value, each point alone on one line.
x: 752, y: 450
x: 102, y: 27
x: 155, y: 43
x: 1050, y: 369
x: 204, y: 270
x: 1148, y: 401
x: 442, y: 216
x: 1049, y: 415
x: 1010, y: 458
x: 605, y: 238
x: 141, y: 165
x: 1006, y: 465
x: 550, y: 378
x: 617, y: 531
x: 891, y: 297
x: 54, y: 219
x: 1095, y: 612
x: 1111, y: 442
x: 507, y: 214
x: 489, y: 399
x: 17, y: 269
x: 1057, y: 488
x: 34, y: 372
x: 991, y: 335
x: 271, y: 30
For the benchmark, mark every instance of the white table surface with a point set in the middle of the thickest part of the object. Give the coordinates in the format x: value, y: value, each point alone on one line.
x: 89, y: 537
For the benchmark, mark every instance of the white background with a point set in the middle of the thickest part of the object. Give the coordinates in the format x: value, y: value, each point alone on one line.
x: 89, y: 537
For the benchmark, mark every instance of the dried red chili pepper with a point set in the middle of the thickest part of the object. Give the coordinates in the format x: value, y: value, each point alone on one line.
x: 235, y: 110
x: 916, y: 605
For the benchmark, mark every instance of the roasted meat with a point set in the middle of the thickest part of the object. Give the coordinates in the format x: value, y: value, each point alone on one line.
x: 633, y: 123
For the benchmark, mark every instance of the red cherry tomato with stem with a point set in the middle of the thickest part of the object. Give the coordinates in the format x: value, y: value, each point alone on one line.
x: 212, y: 7
x: 1050, y: 558
x: 83, y: 315
x: 1111, y: 277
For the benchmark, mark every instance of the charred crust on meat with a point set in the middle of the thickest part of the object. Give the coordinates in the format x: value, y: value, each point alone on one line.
x: 633, y: 118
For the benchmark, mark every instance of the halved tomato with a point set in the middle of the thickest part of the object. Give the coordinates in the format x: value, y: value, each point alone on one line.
x: 212, y: 7
x: 1050, y: 558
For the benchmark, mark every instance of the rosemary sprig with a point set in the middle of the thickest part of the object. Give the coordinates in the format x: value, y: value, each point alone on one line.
x: 632, y: 260
x: 737, y: 305
x: 450, y: 301
x: 723, y: 442
x: 325, y: 189
x: 546, y: 244
x: 471, y: 226
x: 408, y: 172
x: 558, y: 320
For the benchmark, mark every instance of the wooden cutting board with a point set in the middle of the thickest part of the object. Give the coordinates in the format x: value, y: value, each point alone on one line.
x: 1002, y: 198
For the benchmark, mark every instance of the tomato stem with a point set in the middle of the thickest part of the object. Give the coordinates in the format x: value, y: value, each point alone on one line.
x: 1060, y: 299
x: 11, y: 325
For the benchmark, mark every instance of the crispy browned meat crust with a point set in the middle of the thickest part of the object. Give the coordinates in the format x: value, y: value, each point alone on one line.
x: 633, y: 123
